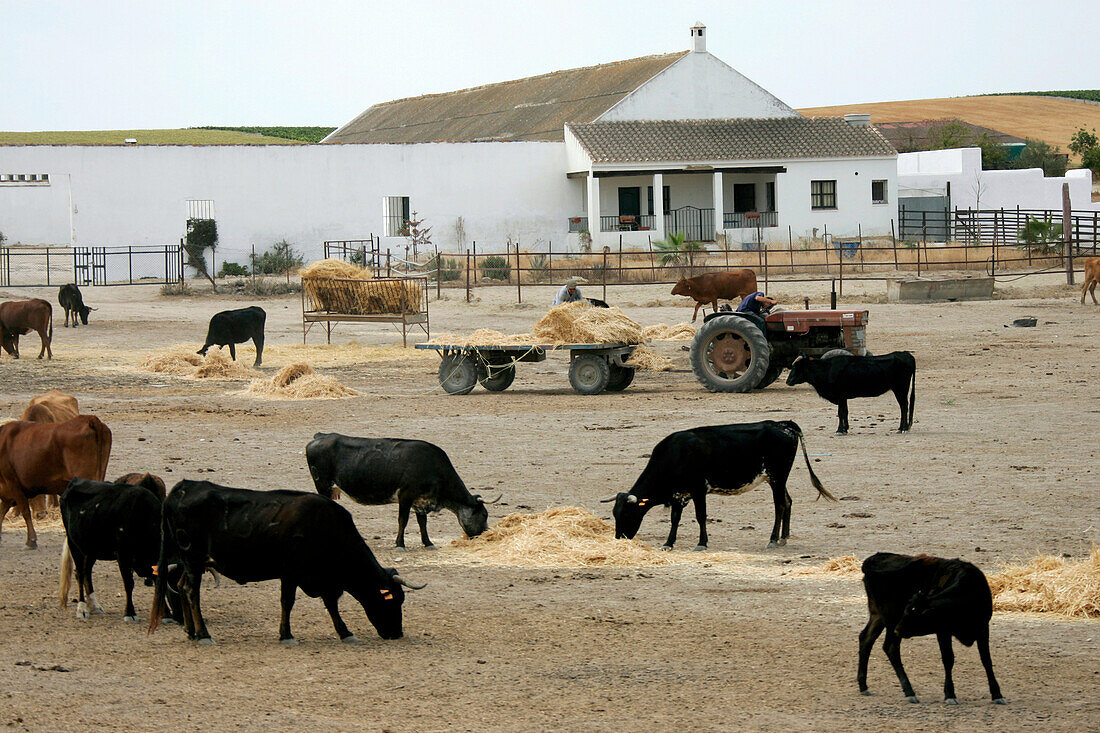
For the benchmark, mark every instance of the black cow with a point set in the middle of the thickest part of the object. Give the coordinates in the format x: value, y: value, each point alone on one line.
x: 915, y: 596
x: 720, y: 459
x: 229, y: 328
x: 107, y: 521
x: 72, y: 302
x: 304, y: 540
x: 844, y: 377
x: 596, y: 302
x: 415, y: 474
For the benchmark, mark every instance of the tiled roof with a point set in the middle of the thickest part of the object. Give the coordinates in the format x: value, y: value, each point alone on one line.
x: 728, y: 140
x: 535, y: 108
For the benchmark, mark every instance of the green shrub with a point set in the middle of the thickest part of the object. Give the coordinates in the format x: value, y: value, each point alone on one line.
x: 539, y: 267
x: 280, y: 259
x: 495, y: 267
x: 232, y: 269
x: 448, y: 268
x: 1040, y: 232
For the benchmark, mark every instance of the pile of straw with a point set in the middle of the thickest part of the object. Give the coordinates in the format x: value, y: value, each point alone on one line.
x: 580, y: 323
x: 564, y: 537
x: 843, y: 565
x: 299, y: 382
x: 664, y: 332
x: 335, y: 286
x: 1050, y: 584
x: 645, y: 358
x: 485, y: 337
x: 181, y: 361
x: 335, y: 270
x: 218, y: 366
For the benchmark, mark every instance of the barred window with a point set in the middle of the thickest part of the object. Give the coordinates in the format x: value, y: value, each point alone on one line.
x: 878, y: 192
x: 24, y: 179
x: 822, y: 194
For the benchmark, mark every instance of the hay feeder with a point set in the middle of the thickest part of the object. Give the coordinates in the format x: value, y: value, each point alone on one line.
x: 402, y: 301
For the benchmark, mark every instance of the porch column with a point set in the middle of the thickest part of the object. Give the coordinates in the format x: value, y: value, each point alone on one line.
x: 719, y: 205
x: 593, y: 207
x: 659, y: 205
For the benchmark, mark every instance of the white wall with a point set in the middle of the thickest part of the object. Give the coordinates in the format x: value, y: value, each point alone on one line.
x: 971, y: 187
x: 698, y: 86
x: 303, y: 193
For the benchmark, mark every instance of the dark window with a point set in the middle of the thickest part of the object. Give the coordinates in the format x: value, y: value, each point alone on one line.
x: 878, y: 192
x: 667, y: 199
x: 770, y: 187
x: 629, y: 204
x: 744, y: 197
x: 822, y: 194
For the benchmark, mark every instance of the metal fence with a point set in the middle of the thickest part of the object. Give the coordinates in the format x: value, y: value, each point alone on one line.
x: 1000, y: 226
x: 155, y: 264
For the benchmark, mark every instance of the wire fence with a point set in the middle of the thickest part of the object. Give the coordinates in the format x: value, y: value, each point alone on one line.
x: 154, y: 264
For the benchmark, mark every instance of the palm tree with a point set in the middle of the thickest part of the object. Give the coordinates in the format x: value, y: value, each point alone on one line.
x: 676, y: 252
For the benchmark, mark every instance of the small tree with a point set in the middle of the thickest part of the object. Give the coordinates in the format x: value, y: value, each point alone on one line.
x: 953, y: 134
x: 202, y: 235
x: 279, y: 260
x: 1091, y: 160
x: 232, y: 269
x: 994, y: 155
x: 417, y: 234
x: 1082, y: 141
x: 1038, y: 154
x: 675, y: 251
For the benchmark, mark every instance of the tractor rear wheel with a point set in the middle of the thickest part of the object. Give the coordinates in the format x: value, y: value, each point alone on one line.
x: 730, y: 354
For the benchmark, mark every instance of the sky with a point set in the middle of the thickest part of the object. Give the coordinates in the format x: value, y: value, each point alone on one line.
x: 102, y: 65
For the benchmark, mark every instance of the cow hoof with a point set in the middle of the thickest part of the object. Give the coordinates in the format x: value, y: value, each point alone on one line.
x: 289, y: 642
x: 912, y: 698
x: 772, y: 545
x: 665, y: 548
x: 82, y: 611
x: 700, y: 548
x: 950, y: 701
x: 205, y: 641
x: 129, y: 619
x: 31, y: 547
x: 399, y: 548
x: 351, y: 639
x: 1000, y: 701
x: 430, y: 547
x: 865, y: 693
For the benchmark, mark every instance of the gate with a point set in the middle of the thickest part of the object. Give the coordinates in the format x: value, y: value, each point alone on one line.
x: 153, y: 264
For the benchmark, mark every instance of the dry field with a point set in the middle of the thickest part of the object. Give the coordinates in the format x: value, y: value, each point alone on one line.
x: 1001, y: 465
x: 1042, y: 118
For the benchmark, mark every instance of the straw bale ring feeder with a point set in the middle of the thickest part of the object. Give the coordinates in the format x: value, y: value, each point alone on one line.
x: 342, y: 293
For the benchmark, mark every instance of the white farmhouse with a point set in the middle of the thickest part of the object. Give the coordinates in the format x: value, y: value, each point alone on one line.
x: 631, y: 150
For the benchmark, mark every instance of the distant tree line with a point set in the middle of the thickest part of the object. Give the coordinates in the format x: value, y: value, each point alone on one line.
x: 1092, y: 95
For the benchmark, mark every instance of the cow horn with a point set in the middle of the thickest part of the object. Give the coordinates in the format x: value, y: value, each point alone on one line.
x: 608, y: 501
x: 494, y: 501
x: 631, y: 499
x: 407, y: 584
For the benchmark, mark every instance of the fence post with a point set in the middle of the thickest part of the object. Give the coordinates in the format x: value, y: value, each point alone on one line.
x: 859, y: 230
x: 604, y: 268
x: 790, y: 246
x: 652, y: 262
x: 47, y: 265
x: 467, y: 275
x: 519, y: 277
x: 550, y: 260
x: 475, y: 261
x: 253, y: 268
x: 438, y: 274
x: 130, y: 262
x: 620, y: 258
x: 765, y: 251
x: 840, y: 266
x: 825, y: 246
x: 1067, y: 235
x: 918, y: 259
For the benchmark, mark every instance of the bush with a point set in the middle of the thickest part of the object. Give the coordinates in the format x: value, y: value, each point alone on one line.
x: 1038, y: 154
x: 281, y: 258
x: 176, y: 289
x: 232, y: 269
x: 1091, y: 160
x: 539, y: 267
x: 495, y: 267
x: 262, y: 287
x: 448, y: 268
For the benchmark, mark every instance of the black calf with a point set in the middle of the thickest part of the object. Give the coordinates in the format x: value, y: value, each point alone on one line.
x: 230, y: 328
x: 845, y: 377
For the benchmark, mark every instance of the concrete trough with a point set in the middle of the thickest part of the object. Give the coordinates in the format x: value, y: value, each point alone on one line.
x: 939, y: 288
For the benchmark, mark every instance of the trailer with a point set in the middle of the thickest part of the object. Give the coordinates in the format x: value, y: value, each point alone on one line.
x: 593, y: 368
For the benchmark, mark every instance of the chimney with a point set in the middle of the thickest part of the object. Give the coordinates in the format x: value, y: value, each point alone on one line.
x: 858, y: 120
x: 698, y: 38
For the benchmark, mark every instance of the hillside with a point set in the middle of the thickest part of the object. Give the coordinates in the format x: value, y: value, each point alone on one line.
x: 1044, y: 118
x: 144, y: 137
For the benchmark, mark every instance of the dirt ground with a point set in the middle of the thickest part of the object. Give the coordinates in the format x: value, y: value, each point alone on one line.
x: 1001, y: 465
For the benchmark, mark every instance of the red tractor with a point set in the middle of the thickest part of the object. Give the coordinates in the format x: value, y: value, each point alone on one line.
x: 739, y: 352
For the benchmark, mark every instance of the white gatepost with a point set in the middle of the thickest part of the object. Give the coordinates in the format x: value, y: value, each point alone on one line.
x: 719, y: 205
x: 594, y: 207
x: 659, y: 205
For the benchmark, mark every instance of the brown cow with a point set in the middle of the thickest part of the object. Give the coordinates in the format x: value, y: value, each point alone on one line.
x: 1092, y: 277
x: 18, y: 317
x: 149, y: 480
x: 51, y: 407
x: 42, y: 459
x: 714, y: 285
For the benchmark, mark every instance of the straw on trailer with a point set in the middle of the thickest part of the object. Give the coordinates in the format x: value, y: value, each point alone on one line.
x: 665, y: 332
x: 645, y: 358
x: 580, y: 323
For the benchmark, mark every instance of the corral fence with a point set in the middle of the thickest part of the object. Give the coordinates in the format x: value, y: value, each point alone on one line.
x: 363, y: 252
x: 153, y: 264
x: 1002, y: 226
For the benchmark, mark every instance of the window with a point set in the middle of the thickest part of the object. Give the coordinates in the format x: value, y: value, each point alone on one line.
x: 25, y: 179
x: 667, y: 198
x: 822, y: 194
x: 770, y: 188
x: 878, y: 192
x: 395, y: 216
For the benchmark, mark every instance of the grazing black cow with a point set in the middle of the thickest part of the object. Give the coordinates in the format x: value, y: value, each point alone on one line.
x: 230, y: 328
x: 304, y: 540
x: 721, y: 459
x: 597, y: 303
x: 844, y: 377
x: 72, y: 302
x: 915, y: 596
x: 107, y: 521
x: 415, y: 474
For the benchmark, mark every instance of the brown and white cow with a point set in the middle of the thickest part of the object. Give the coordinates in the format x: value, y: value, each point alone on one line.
x: 713, y: 286
x: 19, y: 317
x: 1092, y: 277
x: 42, y: 459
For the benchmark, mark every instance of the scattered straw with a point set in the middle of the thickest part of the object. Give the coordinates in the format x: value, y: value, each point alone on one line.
x: 218, y: 366
x: 299, y: 382
x: 843, y: 565
x: 580, y: 323
x: 178, y: 360
x: 52, y: 519
x: 664, y: 332
x: 1050, y: 584
x: 645, y: 358
x: 182, y: 361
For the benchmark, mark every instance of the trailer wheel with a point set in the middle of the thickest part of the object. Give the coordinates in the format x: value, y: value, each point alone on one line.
x: 621, y: 377
x: 730, y: 354
x: 496, y: 377
x: 589, y: 374
x: 457, y: 374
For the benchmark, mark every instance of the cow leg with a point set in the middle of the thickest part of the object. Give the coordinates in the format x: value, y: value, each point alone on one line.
x: 233, y: 352
x: 80, y: 570
x: 901, y: 394
x: 695, y: 312
x: 258, y: 342
x: 677, y: 510
x: 194, y: 591
x: 786, y: 518
x: 128, y: 584
x: 402, y: 520
x: 93, y: 604
x: 183, y: 589
x: 1092, y: 292
x: 892, y: 647
x: 781, y: 500
x: 701, y: 518
x: 25, y: 510
x: 45, y: 345
x: 987, y: 662
x: 867, y: 638
x: 948, y: 655
x: 422, y: 520
x: 286, y: 596
x: 842, y: 417
x: 332, y: 604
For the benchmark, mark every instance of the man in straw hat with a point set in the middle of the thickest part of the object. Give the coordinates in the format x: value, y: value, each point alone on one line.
x: 569, y: 292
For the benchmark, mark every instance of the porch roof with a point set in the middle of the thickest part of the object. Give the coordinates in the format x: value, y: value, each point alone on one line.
x: 728, y: 140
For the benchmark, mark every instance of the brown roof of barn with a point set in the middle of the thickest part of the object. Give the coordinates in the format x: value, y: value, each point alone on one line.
x: 535, y: 108
x: 736, y: 139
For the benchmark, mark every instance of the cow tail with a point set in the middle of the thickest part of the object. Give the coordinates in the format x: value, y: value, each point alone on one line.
x: 912, y: 396
x: 156, y: 612
x: 821, y: 490
x: 103, y: 446
x: 66, y: 576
